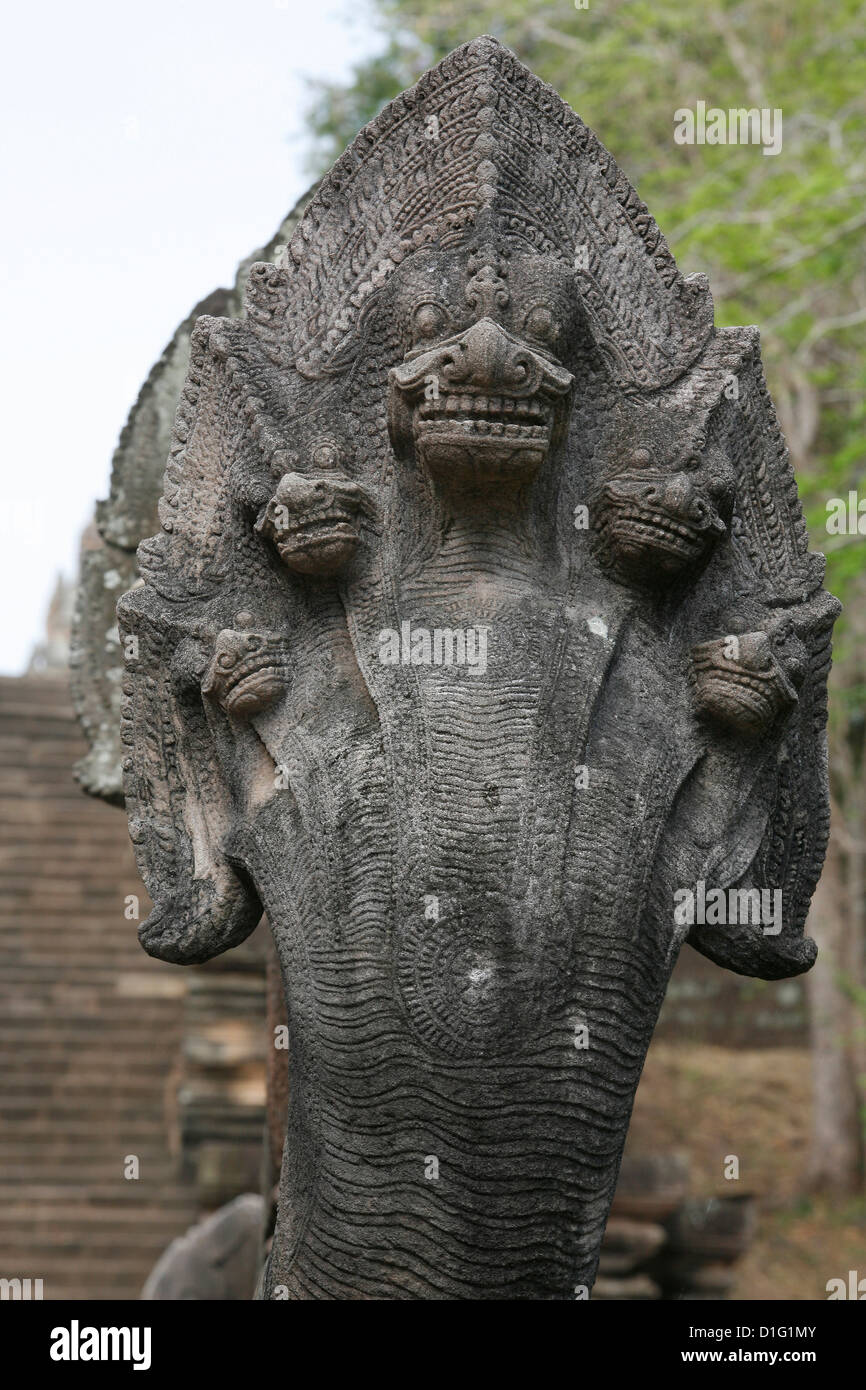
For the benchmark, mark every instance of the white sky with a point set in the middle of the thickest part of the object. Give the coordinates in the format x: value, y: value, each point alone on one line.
x: 144, y: 150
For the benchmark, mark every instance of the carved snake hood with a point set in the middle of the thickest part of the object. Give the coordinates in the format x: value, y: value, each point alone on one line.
x: 468, y: 866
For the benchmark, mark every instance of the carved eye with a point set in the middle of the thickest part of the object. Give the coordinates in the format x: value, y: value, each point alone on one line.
x: 691, y: 464
x: 428, y: 321
x: 722, y: 488
x: 325, y: 455
x: 541, y: 324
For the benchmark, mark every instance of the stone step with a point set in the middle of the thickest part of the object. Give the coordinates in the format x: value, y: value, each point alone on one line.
x: 105, y: 1174
x: 87, y: 1290
x: 38, y: 1172
x: 71, y: 1209
x: 83, y: 1085
x: 26, y: 1251
x: 49, y: 1196
x: 90, y: 1028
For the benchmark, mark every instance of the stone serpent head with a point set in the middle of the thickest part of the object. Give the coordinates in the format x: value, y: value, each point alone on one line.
x: 312, y: 519
x: 481, y: 394
x: 663, y: 505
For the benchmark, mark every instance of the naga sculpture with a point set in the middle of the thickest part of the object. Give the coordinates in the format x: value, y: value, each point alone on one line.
x: 108, y: 557
x: 481, y: 626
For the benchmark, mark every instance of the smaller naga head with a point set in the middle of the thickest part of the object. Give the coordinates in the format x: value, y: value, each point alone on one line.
x: 481, y: 394
x: 666, y: 500
x: 249, y: 669
x: 312, y: 518
x: 746, y: 681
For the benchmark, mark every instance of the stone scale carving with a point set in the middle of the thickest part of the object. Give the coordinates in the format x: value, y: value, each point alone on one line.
x: 481, y: 623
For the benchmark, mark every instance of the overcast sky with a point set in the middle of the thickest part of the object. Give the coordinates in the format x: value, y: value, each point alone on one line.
x: 145, y: 150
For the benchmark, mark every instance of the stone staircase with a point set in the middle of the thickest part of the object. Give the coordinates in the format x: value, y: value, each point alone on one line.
x: 106, y: 1054
x: 90, y: 1028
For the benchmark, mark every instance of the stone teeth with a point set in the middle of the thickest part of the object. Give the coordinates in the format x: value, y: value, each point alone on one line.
x: 514, y: 417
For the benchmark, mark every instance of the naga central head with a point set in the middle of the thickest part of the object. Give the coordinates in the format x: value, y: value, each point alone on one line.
x: 481, y: 394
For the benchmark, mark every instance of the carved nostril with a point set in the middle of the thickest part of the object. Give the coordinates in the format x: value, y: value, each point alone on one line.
x: 485, y: 353
x: 292, y: 490
x: 649, y: 494
x: 679, y: 495
x: 762, y: 651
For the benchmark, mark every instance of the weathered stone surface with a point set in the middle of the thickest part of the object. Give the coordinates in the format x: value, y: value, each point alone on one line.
x: 128, y: 515
x: 467, y: 752
x: 216, y: 1260
x: 96, y: 665
x: 219, y: 1139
